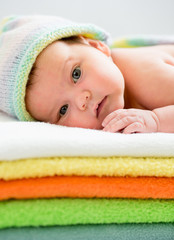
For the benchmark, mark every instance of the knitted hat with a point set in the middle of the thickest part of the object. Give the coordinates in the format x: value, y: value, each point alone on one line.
x: 22, y: 38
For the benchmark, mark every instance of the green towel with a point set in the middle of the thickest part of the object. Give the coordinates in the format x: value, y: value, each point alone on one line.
x: 142, y: 231
x: 67, y: 211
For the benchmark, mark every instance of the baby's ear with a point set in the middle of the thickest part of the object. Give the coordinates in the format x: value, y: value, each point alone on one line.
x: 98, y: 45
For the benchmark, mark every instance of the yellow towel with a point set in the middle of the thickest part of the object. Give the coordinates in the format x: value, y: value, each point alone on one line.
x: 87, y: 166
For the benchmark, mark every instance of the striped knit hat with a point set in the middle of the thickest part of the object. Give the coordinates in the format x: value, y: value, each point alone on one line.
x: 22, y: 38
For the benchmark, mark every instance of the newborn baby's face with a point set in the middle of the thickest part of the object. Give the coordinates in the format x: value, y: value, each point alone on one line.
x: 75, y: 85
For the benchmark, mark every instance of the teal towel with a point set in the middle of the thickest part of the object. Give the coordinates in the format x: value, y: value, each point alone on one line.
x: 67, y: 211
x: 160, y: 231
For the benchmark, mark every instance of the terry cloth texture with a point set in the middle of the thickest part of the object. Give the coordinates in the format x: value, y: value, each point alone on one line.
x: 36, y: 139
x: 129, y: 231
x: 67, y: 211
x: 88, y: 187
x: 87, y: 166
x: 22, y: 38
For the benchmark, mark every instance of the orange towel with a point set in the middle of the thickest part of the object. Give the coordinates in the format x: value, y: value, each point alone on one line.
x: 88, y: 187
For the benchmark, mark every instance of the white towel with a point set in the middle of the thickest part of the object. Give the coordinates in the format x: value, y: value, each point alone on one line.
x: 36, y: 139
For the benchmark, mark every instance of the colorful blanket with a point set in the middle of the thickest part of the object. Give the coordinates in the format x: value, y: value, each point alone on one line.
x: 129, y: 231
x: 87, y: 166
x: 88, y: 187
x: 67, y: 211
x: 142, y: 41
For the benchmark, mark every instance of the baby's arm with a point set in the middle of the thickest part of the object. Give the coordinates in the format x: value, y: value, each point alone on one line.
x: 155, y: 68
x: 140, y: 121
x: 165, y: 117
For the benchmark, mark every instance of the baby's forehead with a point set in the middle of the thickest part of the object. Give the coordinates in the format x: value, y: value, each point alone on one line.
x: 53, y: 52
x: 58, y: 52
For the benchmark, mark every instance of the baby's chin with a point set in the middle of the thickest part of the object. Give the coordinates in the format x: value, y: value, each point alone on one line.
x: 97, y: 126
x: 86, y: 125
x: 94, y: 126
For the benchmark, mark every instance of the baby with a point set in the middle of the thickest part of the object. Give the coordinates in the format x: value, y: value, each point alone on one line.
x: 80, y: 82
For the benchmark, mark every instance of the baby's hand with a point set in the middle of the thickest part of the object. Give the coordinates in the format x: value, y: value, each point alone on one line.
x: 131, y: 121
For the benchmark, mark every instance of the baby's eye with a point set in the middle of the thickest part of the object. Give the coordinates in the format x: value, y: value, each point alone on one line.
x: 63, y: 110
x: 76, y: 74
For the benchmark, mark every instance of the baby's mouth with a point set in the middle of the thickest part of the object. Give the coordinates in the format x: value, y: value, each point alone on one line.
x: 100, y: 106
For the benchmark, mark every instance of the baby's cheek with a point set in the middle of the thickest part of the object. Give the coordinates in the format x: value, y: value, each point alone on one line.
x: 82, y: 122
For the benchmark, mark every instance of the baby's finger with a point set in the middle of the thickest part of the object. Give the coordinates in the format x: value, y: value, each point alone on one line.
x: 116, y: 125
x: 136, y: 127
x: 112, y: 115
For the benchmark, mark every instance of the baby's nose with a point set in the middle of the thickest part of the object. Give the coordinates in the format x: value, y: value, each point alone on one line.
x: 82, y: 100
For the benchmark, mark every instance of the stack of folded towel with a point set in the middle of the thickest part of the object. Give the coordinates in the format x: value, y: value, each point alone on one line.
x: 75, y: 183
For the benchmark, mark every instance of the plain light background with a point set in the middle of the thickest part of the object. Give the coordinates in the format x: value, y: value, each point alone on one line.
x: 119, y: 17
